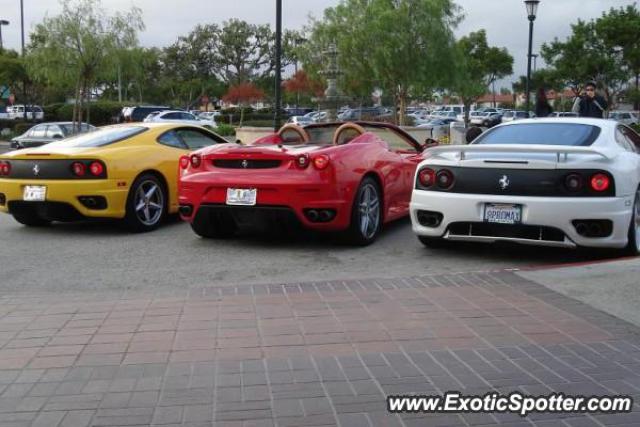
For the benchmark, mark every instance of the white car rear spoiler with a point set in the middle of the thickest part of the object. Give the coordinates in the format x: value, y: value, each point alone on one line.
x: 559, y: 151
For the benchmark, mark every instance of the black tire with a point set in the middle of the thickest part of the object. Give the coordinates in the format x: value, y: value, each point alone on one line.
x: 154, y: 210
x: 633, y: 245
x: 30, y: 219
x: 359, y: 232
x: 432, y: 242
x: 214, y: 225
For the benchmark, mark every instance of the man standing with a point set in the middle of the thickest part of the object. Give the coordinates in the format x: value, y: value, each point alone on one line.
x: 590, y: 104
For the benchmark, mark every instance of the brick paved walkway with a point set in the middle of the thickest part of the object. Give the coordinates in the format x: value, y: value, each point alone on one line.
x: 306, y: 354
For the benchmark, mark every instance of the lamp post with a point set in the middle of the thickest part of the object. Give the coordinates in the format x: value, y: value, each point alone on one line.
x: 278, y: 101
x: 22, y: 24
x: 2, y: 22
x: 532, y: 9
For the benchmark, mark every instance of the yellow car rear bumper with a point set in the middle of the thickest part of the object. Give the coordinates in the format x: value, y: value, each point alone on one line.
x: 69, y: 192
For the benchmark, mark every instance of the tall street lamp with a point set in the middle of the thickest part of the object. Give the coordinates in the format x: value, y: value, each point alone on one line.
x: 22, y: 28
x: 278, y: 101
x: 532, y: 10
x: 2, y: 22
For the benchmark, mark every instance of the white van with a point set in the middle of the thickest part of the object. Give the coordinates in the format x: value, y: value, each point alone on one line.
x: 34, y: 112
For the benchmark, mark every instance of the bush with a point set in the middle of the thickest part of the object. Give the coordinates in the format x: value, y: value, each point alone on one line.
x: 258, y: 123
x: 225, y: 130
x: 22, y: 127
x: 16, y: 126
x: 101, y: 113
x: 636, y: 127
x: 235, y: 118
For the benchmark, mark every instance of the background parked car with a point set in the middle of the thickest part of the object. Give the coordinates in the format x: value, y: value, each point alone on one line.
x: 488, y: 119
x: 45, y: 133
x: 512, y: 115
x: 624, y: 117
x: 34, y: 112
x: 139, y: 113
x: 563, y: 114
x: 171, y: 116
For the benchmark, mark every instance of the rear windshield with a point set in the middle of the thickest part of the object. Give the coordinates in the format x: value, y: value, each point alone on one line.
x: 566, y: 134
x: 100, y: 137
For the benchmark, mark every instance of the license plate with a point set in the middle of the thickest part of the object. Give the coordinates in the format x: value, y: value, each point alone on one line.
x: 502, y: 214
x: 34, y: 193
x: 242, y: 196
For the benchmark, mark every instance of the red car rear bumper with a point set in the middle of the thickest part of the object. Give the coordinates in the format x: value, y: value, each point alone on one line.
x: 293, y: 190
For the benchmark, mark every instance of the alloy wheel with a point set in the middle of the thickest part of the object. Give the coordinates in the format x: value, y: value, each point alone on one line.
x: 369, y: 206
x: 149, y: 203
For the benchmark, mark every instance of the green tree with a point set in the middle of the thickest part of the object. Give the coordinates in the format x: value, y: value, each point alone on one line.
x: 619, y: 29
x: 583, y: 57
x: 402, y: 47
x: 479, y: 66
x: 75, y: 49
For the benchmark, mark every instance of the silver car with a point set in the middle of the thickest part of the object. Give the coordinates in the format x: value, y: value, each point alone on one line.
x: 45, y: 133
x: 625, y: 117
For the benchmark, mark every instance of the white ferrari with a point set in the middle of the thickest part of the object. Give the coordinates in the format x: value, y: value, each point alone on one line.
x: 549, y: 182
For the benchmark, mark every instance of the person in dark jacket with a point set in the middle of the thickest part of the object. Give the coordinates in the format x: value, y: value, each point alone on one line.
x: 543, y: 109
x: 590, y: 104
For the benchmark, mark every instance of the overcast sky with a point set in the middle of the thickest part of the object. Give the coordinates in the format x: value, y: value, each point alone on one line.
x: 504, y: 20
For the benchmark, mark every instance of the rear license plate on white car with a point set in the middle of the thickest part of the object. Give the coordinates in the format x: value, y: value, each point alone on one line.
x: 242, y: 196
x: 34, y: 193
x: 502, y: 213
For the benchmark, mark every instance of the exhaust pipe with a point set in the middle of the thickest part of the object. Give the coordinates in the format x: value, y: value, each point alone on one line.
x: 582, y: 229
x: 326, y: 215
x: 595, y: 230
x: 185, y: 210
x: 313, y: 215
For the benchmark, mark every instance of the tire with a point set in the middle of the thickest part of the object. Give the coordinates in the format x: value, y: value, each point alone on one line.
x: 366, y: 214
x: 633, y: 246
x: 214, y: 225
x: 30, y: 219
x: 146, y: 204
x: 432, y: 242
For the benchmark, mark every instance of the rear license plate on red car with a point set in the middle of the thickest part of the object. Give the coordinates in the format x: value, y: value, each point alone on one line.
x: 242, y: 196
x: 502, y: 213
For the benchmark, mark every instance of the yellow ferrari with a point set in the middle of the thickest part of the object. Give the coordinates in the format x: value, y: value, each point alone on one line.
x: 129, y: 172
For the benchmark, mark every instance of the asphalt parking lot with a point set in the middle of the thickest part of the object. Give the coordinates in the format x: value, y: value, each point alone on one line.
x: 104, y: 257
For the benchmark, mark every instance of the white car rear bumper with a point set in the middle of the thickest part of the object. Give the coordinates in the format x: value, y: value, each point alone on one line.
x: 558, y: 213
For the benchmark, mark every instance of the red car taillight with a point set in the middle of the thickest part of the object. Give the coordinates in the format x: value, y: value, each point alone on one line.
x: 321, y: 162
x: 5, y: 168
x: 445, y: 179
x: 302, y: 161
x: 78, y: 169
x: 184, y: 162
x: 96, y: 168
x: 427, y: 177
x: 600, y: 182
x: 195, y: 160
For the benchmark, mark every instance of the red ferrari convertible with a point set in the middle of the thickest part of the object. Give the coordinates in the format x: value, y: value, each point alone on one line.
x: 351, y: 177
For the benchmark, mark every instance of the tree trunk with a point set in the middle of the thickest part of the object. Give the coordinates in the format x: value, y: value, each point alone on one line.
x: 75, y: 106
x: 402, y: 103
x: 493, y: 89
x: 467, y: 107
x: 88, y: 99
x: 636, y: 103
x: 241, y: 115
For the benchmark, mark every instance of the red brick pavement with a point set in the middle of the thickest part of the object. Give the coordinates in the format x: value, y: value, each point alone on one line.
x: 306, y: 354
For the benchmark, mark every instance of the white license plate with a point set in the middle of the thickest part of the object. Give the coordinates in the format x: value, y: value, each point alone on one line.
x: 34, y: 193
x: 502, y: 214
x: 242, y: 196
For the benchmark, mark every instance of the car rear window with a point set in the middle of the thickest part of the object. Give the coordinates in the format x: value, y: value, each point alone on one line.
x: 100, y: 137
x: 566, y: 134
